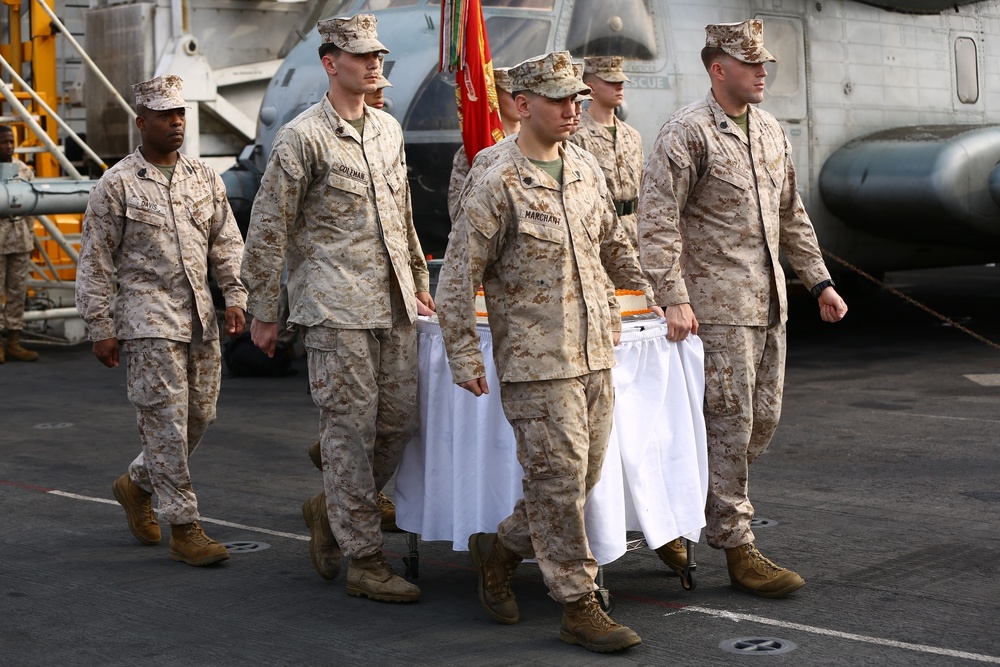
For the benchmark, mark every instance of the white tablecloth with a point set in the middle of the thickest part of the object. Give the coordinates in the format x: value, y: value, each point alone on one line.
x: 459, y: 474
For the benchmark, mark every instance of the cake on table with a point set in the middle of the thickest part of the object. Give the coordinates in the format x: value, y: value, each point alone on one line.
x: 632, y: 303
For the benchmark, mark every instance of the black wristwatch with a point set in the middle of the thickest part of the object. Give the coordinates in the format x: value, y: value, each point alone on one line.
x: 818, y: 288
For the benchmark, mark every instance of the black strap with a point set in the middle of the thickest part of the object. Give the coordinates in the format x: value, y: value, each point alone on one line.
x: 625, y: 207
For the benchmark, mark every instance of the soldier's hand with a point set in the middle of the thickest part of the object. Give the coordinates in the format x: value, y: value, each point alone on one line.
x: 616, y: 337
x: 477, y: 387
x: 681, y: 322
x: 425, y: 303
x: 106, y: 351
x: 657, y: 311
x: 264, y: 335
x: 235, y: 321
x: 832, y: 308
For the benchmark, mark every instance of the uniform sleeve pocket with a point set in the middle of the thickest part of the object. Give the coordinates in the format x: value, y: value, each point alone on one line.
x: 720, y: 392
x: 777, y: 176
x: 396, y: 181
x: 202, y: 215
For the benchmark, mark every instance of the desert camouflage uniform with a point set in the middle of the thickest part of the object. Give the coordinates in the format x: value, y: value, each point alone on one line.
x: 16, y: 243
x: 618, y: 260
x: 621, y: 161
x: 162, y: 238
x: 338, y: 208
x: 536, y: 247
x: 709, y: 235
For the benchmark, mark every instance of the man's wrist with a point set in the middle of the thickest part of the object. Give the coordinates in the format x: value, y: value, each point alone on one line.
x: 818, y: 288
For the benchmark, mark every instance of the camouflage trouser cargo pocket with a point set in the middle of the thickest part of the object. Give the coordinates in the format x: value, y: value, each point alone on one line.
x: 721, y: 397
x: 530, y: 421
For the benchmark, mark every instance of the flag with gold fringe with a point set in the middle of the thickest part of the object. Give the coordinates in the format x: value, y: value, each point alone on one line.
x: 465, y: 50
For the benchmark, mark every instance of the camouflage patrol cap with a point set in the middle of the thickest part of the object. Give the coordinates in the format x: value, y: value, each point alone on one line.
x: 382, y: 82
x: 606, y: 68
x: 160, y: 94
x: 743, y: 41
x: 550, y: 76
x: 355, y: 34
x: 501, y: 78
x: 578, y: 73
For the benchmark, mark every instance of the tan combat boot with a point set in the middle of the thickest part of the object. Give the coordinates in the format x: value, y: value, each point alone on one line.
x: 674, y: 555
x: 751, y: 572
x: 586, y: 624
x: 373, y: 578
x: 496, y: 565
x: 189, y: 544
x: 14, y: 350
x: 323, y: 548
x: 385, y: 506
x: 388, y: 510
x: 138, y: 510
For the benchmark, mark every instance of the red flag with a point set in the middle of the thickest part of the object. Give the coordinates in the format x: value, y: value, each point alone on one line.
x: 475, y: 91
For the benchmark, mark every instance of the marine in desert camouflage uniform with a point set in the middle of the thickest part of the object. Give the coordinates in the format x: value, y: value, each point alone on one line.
x: 530, y: 229
x: 511, y: 121
x: 334, y: 203
x: 162, y: 220
x: 616, y: 144
x: 718, y: 203
x: 16, y: 243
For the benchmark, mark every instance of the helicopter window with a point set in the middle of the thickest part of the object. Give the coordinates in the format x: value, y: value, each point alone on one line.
x: 783, y: 42
x: 434, y: 106
x: 512, y: 39
x: 966, y: 70
x: 602, y: 28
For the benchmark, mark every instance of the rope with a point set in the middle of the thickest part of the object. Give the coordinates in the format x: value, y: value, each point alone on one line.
x: 911, y: 300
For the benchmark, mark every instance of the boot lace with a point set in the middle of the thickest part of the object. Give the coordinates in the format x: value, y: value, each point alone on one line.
x: 197, y: 536
x: 598, y: 616
x: 499, y: 586
x: 148, y: 515
x: 763, y: 563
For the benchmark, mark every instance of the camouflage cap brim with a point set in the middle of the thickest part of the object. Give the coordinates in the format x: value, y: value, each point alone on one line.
x: 612, y: 77
x: 167, y: 105
x: 559, y: 89
x: 360, y: 47
x: 751, y: 56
